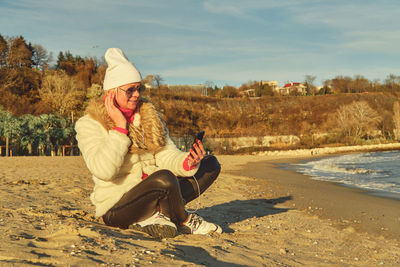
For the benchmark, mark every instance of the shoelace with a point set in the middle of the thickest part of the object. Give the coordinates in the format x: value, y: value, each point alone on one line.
x: 195, y: 221
x: 162, y: 216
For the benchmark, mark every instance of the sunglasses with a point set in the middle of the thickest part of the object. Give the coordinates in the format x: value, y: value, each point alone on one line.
x: 131, y: 90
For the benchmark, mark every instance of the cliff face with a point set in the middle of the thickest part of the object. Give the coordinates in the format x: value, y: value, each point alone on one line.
x: 304, y: 121
x: 267, y: 115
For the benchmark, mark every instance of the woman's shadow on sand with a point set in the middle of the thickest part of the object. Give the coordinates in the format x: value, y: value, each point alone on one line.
x: 234, y: 211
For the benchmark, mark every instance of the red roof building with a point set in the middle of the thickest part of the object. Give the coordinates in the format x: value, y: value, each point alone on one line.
x: 297, y: 88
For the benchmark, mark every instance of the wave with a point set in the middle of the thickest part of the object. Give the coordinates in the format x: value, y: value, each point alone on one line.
x: 337, y: 169
x: 331, y: 167
x: 371, y: 171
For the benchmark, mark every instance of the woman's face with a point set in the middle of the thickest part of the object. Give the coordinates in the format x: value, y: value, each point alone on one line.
x: 128, y: 95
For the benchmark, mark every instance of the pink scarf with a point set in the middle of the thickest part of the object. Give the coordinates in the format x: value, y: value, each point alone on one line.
x: 129, y: 114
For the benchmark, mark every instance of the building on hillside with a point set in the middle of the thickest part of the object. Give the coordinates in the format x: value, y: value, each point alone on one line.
x: 148, y: 86
x: 273, y: 84
x: 196, y: 87
x: 293, y: 88
x: 248, y: 93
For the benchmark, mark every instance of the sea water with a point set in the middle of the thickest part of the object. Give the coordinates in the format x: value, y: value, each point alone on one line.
x: 377, y: 172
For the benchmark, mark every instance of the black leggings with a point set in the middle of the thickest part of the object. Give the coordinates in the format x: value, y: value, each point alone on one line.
x: 162, y: 191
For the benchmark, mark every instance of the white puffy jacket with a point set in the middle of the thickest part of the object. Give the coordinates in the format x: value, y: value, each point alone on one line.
x: 115, y: 170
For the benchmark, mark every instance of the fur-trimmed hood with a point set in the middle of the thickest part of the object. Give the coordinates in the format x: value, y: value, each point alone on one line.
x: 147, y: 132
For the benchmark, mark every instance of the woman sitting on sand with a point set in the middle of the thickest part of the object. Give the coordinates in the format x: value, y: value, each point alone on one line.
x: 142, y: 181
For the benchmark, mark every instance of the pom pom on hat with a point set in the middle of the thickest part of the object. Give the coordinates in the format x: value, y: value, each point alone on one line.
x: 119, y: 70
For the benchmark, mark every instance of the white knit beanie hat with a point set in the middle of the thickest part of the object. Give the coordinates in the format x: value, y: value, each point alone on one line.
x: 119, y: 70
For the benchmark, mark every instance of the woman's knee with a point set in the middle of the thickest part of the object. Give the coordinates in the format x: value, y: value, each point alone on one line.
x: 211, y: 164
x: 209, y: 169
x: 165, y: 179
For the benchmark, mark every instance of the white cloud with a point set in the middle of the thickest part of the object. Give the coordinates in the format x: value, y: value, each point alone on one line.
x: 181, y: 24
x: 244, y: 9
x: 386, y: 42
x: 240, y: 7
x: 349, y: 15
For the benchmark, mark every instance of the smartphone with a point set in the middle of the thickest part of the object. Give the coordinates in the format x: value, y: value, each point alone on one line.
x: 198, y: 136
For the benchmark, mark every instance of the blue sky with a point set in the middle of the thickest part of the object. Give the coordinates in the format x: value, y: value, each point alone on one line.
x: 222, y: 41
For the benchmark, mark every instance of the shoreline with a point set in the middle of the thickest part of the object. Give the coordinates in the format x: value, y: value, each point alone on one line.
x: 368, y: 191
x: 326, y: 151
x: 344, y: 206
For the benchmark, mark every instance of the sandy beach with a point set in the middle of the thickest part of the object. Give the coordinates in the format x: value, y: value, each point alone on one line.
x: 270, y: 217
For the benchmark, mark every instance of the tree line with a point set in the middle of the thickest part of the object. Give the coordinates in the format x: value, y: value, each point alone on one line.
x: 53, y: 96
x: 30, y: 85
x: 338, y: 85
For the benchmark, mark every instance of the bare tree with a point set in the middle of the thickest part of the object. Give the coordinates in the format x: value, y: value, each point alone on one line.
x: 309, y: 82
x: 158, y: 80
x: 63, y: 93
x: 41, y: 58
x: 229, y: 91
x: 149, y: 79
x: 356, y: 120
x: 360, y: 84
x: 208, y: 86
x: 392, y: 83
x: 148, y: 82
x: 341, y: 84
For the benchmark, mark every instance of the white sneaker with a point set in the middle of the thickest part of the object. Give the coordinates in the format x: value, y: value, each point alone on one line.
x: 198, y: 226
x: 158, y: 225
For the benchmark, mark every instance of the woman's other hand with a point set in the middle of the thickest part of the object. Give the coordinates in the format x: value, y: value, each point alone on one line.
x: 197, y: 153
x: 112, y: 110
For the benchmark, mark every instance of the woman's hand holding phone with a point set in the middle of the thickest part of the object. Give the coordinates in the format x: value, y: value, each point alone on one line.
x: 197, y: 153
